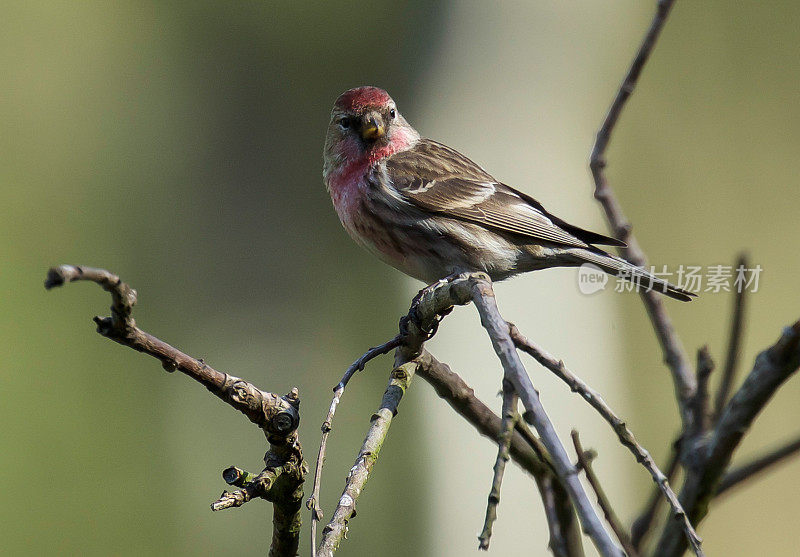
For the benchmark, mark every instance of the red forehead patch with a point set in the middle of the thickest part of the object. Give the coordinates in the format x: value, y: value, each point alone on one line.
x: 356, y: 100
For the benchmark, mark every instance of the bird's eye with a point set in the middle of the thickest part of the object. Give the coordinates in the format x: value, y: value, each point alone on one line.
x: 345, y: 123
x: 393, y: 113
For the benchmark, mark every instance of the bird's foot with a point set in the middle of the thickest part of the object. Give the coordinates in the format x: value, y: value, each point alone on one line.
x: 431, y: 287
x: 428, y: 329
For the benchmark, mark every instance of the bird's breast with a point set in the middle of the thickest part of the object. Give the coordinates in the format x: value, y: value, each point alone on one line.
x: 348, y: 199
x: 369, y: 222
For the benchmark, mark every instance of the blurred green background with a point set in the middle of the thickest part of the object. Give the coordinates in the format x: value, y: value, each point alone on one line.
x: 179, y: 145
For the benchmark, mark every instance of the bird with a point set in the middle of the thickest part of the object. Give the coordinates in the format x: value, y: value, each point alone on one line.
x: 432, y: 213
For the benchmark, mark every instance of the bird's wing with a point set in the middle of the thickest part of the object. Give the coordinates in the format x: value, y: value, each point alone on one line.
x: 440, y: 180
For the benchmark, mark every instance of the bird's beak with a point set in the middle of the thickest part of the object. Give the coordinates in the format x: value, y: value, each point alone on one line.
x: 372, y: 128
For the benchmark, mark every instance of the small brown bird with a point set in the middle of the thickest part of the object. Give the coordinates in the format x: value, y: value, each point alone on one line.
x: 430, y: 212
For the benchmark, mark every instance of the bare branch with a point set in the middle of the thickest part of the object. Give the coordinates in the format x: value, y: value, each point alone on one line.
x: 336, y: 529
x: 281, y: 482
x: 629, y: 83
x: 585, y: 462
x: 252, y: 487
x: 699, y: 404
x: 526, y: 450
x: 561, y: 520
x: 755, y: 467
x: 498, y: 331
x: 641, y: 526
x: 313, y: 502
x: 427, y: 309
x: 734, y: 345
x: 272, y: 413
x: 674, y: 354
x: 370, y: 354
x: 620, y: 428
x: 772, y: 368
x: 229, y: 500
x: 528, y: 453
x: 510, y: 417
x: 419, y: 325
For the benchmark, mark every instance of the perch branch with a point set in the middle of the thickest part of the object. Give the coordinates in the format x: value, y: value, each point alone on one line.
x: 430, y: 305
x: 585, y: 462
x: 281, y: 482
x: 674, y: 354
x: 419, y: 325
x: 509, y: 419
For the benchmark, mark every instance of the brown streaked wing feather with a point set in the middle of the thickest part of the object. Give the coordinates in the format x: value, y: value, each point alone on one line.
x: 441, y: 180
x: 430, y: 160
x: 586, y: 235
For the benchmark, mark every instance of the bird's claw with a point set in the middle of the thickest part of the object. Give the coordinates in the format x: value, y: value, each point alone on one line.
x: 414, y: 313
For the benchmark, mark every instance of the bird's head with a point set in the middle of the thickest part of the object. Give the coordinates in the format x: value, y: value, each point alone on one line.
x: 365, y: 127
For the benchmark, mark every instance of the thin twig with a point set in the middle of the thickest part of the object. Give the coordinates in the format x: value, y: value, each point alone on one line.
x: 624, y: 434
x: 641, y: 526
x: 233, y: 499
x: 734, y: 344
x: 510, y: 417
x: 585, y: 461
x: 671, y: 346
x: 335, y: 531
x: 370, y: 354
x: 313, y: 502
x: 498, y: 331
x: 526, y: 450
x: 756, y: 466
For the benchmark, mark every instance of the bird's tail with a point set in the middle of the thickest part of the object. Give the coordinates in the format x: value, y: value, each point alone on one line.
x: 617, y: 266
